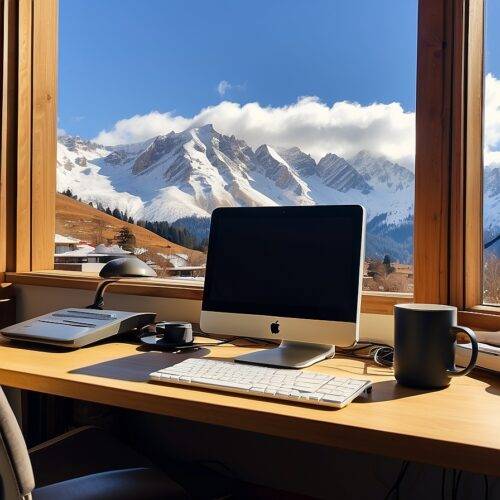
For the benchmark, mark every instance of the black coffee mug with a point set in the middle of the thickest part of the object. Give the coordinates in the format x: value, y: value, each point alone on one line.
x: 424, y: 345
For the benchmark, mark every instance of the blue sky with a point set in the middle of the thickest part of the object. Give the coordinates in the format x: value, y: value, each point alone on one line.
x: 119, y: 58
x: 492, y: 37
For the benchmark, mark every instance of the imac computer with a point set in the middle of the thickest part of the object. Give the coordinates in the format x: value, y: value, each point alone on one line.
x: 287, y: 273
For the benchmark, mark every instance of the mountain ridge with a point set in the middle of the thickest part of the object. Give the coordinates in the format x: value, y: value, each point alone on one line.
x: 177, y: 176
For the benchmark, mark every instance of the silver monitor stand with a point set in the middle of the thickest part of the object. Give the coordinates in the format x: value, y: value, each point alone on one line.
x: 289, y: 354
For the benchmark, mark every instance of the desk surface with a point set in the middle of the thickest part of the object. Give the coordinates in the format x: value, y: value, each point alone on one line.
x: 458, y: 427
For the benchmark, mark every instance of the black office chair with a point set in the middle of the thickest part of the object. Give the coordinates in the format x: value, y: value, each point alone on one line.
x: 84, y: 464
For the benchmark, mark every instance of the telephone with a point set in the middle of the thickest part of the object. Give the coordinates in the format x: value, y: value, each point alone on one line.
x: 73, y: 328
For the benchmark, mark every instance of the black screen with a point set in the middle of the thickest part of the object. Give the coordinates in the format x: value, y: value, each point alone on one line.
x: 298, y: 262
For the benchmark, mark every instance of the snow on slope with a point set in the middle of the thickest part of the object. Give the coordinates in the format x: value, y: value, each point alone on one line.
x: 303, y: 163
x: 78, y: 172
x: 491, y: 200
x: 190, y: 173
x: 339, y: 174
x: 379, y: 172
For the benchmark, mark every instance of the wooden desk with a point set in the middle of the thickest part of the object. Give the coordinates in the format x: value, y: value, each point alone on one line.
x: 458, y: 427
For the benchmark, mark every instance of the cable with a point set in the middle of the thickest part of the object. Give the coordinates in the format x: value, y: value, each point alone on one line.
x: 399, y: 479
x: 250, y: 339
x: 443, y: 484
x: 382, y: 354
x: 455, y: 485
x: 194, y: 346
x: 229, y: 472
x: 203, y: 344
x: 260, y: 341
x: 486, y: 487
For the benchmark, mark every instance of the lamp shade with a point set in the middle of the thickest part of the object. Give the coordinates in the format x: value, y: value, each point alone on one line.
x: 127, y: 267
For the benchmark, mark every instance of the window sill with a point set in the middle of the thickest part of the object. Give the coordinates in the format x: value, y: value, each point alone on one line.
x: 482, y: 317
x: 372, y: 302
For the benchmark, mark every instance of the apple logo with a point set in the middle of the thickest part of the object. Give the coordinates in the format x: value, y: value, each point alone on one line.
x: 275, y: 327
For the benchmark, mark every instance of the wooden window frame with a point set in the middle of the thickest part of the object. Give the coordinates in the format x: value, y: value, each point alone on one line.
x: 448, y: 162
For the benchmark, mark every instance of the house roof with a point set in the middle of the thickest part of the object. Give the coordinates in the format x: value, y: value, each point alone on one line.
x: 98, y: 251
x: 65, y: 240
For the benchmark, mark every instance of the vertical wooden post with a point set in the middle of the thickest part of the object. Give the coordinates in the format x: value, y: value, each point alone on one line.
x: 44, y: 135
x: 432, y: 160
x: 23, y: 205
x: 8, y: 144
x: 473, y: 237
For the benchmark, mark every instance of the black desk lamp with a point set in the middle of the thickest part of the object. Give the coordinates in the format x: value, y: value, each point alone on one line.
x: 116, y: 269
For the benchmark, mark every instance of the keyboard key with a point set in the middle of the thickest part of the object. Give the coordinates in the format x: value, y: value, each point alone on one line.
x: 221, y: 383
x: 294, y: 385
x: 333, y: 399
x: 316, y: 396
x: 283, y: 392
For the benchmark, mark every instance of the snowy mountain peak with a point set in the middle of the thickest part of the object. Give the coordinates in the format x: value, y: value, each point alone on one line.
x: 341, y: 175
x: 76, y: 143
x: 161, y: 146
x: 207, y: 129
x: 303, y: 163
x: 274, y: 167
x: 381, y: 172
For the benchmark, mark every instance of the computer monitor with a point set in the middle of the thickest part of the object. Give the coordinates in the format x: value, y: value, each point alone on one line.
x: 287, y: 273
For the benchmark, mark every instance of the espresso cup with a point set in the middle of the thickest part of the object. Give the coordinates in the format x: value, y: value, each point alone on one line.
x: 425, y: 336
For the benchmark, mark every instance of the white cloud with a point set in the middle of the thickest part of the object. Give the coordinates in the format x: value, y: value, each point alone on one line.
x: 141, y: 127
x: 60, y: 132
x: 492, y: 120
x: 343, y: 128
x: 223, y: 86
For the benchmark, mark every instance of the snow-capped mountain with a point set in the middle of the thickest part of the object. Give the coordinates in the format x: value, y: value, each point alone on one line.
x: 77, y: 171
x: 178, y: 176
x: 491, y: 204
x: 338, y: 174
x: 303, y: 163
x: 379, y: 171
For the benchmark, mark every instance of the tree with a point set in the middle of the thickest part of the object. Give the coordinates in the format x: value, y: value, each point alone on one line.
x: 126, y: 239
x: 387, y: 265
x: 99, y: 231
x: 380, y: 271
x: 491, y: 278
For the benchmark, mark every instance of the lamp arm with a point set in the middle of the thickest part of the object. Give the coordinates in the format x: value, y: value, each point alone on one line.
x: 98, y: 298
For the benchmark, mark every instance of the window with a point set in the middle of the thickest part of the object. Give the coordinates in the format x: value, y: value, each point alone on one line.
x: 168, y: 112
x: 491, y: 155
x: 448, y: 252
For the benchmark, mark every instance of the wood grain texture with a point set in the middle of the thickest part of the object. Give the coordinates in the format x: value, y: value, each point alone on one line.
x: 474, y: 156
x: 457, y: 179
x: 170, y: 288
x: 457, y: 427
x: 432, y: 159
x: 44, y: 138
x: 23, y: 202
x: 481, y: 319
x: 8, y: 147
x: 3, y: 205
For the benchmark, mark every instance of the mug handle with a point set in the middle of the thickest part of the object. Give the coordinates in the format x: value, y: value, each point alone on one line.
x: 475, y: 349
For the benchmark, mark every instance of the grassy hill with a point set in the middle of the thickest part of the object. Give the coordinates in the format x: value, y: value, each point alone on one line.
x: 79, y: 220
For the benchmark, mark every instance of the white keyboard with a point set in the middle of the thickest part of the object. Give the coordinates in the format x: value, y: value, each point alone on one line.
x: 277, y: 383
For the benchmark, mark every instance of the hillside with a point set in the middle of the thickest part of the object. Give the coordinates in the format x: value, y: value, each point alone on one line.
x: 80, y: 220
